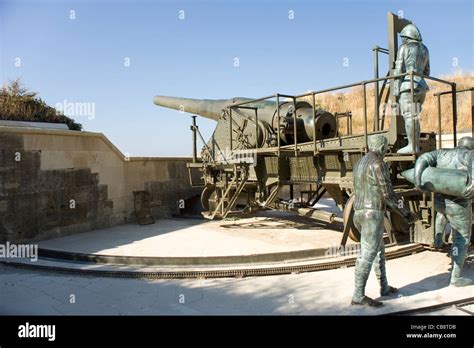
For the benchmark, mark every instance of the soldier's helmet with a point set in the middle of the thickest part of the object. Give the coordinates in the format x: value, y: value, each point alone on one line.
x: 412, y: 32
x: 466, y: 142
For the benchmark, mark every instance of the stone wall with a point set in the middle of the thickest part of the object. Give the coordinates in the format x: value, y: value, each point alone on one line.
x: 56, y: 182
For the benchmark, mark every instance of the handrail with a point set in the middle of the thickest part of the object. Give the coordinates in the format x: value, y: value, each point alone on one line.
x: 307, y: 94
x: 253, y: 100
x: 363, y: 83
x: 448, y: 92
x: 365, y: 119
x: 438, y: 95
x: 389, y: 77
x: 453, y: 92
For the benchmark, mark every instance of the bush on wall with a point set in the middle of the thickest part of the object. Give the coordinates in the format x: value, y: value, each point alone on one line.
x: 19, y: 104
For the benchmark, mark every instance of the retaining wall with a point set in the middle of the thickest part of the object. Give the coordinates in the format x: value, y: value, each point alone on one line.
x: 58, y: 182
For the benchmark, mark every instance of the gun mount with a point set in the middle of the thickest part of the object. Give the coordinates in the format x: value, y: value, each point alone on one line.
x: 293, y: 143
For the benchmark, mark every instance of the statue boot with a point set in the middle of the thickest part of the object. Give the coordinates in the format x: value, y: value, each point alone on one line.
x: 458, y: 261
x: 362, y: 272
x: 380, y: 272
x: 413, y: 139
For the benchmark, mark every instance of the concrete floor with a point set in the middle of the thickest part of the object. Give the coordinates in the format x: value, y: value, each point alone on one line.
x: 266, y: 232
x: 422, y: 279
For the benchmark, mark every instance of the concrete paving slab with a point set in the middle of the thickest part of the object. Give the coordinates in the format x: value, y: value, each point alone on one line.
x: 422, y: 279
x: 267, y: 232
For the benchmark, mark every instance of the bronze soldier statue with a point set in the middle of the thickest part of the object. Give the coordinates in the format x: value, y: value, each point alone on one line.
x: 373, y: 192
x: 456, y: 210
x: 412, y: 56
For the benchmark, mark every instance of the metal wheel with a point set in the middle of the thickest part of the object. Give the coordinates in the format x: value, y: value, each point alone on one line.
x: 399, y: 224
x: 348, y: 216
x: 206, y: 194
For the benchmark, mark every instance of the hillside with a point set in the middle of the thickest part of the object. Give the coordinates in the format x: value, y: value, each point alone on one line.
x: 352, y: 100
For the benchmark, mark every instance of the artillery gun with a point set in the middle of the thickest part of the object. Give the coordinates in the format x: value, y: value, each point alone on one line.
x: 261, y: 146
x: 258, y: 124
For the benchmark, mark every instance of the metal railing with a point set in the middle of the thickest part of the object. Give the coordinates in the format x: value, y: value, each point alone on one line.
x: 438, y: 95
x: 348, y: 116
x: 363, y: 84
x: 377, y: 97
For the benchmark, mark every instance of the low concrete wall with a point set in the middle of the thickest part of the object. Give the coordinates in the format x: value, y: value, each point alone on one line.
x: 57, y: 182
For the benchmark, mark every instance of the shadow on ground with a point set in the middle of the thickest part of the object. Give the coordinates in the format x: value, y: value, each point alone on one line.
x: 317, y: 293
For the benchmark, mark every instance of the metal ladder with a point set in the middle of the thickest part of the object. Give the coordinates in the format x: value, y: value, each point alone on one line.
x: 241, y: 174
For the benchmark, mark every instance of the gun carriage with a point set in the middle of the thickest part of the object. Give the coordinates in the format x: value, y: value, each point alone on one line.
x: 263, y: 148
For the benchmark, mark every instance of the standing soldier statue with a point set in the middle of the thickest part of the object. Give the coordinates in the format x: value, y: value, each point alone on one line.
x: 373, y: 192
x: 455, y: 209
x: 412, y: 56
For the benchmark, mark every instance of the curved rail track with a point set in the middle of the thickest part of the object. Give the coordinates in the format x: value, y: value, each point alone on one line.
x: 83, y: 265
x: 165, y: 271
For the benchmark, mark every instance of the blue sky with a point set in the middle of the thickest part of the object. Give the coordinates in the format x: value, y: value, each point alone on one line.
x: 82, y: 59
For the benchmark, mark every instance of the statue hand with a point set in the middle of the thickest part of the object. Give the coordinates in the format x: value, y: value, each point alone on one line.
x: 411, y: 217
x: 469, y: 194
x: 418, y: 184
x: 422, y: 188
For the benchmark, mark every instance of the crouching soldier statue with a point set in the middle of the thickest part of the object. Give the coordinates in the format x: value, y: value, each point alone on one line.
x: 456, y: 209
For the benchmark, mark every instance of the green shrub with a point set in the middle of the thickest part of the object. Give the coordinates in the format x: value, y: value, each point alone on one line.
x: 19, y: 104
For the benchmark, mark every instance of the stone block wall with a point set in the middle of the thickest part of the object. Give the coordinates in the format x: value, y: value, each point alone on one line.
x: 56, y: 182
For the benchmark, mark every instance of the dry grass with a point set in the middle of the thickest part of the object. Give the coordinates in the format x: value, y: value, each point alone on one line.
x: 352, y: 100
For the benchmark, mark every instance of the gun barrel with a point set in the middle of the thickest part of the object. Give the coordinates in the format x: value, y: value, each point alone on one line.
x: 211, y: 109
x: 267, y: 115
